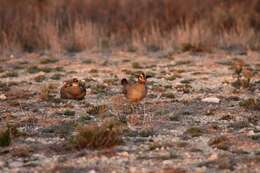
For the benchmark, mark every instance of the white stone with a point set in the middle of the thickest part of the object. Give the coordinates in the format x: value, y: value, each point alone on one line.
x: 211, y: 100
x: 16, y: 164
x: 92, y: 171
x: 2, y: 97
x: 213, y: 156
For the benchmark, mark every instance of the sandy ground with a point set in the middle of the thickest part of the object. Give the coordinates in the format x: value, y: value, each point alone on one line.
x: 177, y: 132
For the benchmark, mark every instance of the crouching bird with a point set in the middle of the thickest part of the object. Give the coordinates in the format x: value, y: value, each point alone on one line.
x: 135, y: 92
x: 73, y: 89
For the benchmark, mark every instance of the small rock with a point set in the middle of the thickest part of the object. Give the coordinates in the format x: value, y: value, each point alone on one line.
x: 92, y: 171
x: 16, y: 164
x: 2, y: 164
x: 213, y: 156
x: 211, y: 100
x: 2, y: 97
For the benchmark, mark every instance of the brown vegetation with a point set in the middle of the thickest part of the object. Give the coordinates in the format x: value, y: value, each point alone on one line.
x: 92, y: 136
x: 75, y: 25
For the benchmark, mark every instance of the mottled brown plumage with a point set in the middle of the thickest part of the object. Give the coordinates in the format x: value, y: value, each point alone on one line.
x: 73, y: 89
x: 137, y: 91
x: 248, y: 73
x: 238, y: 65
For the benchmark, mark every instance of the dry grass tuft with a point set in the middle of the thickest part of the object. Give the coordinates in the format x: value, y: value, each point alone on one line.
x: 5, y: 137
x: 145, y: 25
x: 93, y: 136
x: 46, y: 91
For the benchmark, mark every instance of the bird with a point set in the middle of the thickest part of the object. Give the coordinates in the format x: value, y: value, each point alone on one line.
x: 73, y: 89
x: 248, y: 73
x: 238, y: 65
x: 135, y: 92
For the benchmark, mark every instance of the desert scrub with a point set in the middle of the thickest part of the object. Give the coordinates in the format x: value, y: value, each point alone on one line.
x: 99, y: 109
x: 69, y: 112
x: 10, y: 74
x: 46, y: 92
x: 250, y: 103
x: 136, y: 65
x: 4, y: 86
x: 220, y: 142
x: 33, y: 69
x: 49, y: 61
x: 56, y: 76
x: 194, y: 131
x: 5, y: 137
x: 94, y: 136
x: 40, y: 78
x: 98, y: 89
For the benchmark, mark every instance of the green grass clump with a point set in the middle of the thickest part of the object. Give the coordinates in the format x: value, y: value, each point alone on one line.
x: 46, y: 69
x: 4, y: 86
x: 194, y: 131
x: 56, y: 76
x: 136, y: 65
x: 33, y: 69
x: 5, y: 137
x: 49, y: 61
x: 68, y: 112
x: 59, y: 69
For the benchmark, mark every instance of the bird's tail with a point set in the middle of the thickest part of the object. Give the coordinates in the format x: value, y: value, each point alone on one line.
x: 124, y: 82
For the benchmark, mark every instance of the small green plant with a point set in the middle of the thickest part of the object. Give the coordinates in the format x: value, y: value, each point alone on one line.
x: 69, y: 112
x: 194, y: 131
x: 59, y: 69
x: 33, y: 69
x: 46, y: 69
x: 5, y: 137
x: 49, y: 61
x: 136, y: 65
x: 56, y: 76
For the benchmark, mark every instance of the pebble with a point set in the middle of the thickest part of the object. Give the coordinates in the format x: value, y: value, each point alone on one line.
x: 211, y: 100
x: 2, y: 97
x: 92, y: 171
x: 2, y: 163
x: 15, y: 164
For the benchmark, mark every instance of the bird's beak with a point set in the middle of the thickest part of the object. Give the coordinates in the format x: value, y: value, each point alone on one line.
x: 148, y: 76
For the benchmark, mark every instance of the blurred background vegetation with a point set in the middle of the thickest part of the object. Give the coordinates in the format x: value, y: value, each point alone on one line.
x: 76, y: 25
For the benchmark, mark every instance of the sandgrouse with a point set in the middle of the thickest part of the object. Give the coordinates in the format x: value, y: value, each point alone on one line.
x: 73, y: 89
x: 135, y: 92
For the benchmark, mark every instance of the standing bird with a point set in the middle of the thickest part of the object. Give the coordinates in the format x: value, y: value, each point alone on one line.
x: 137, y: 91
x: 248, y: 74
x: 238, y: 66
x: 73, y: 89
